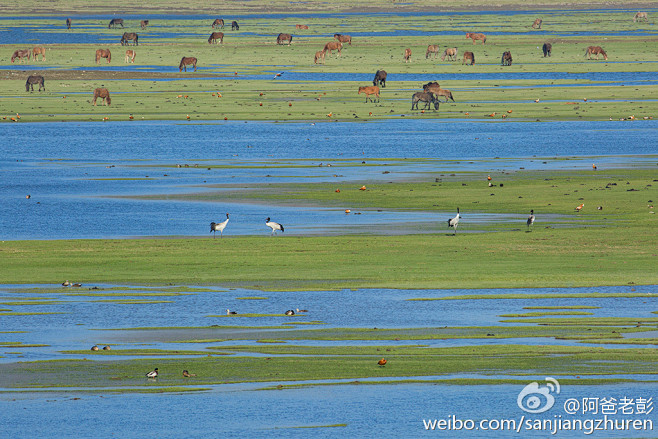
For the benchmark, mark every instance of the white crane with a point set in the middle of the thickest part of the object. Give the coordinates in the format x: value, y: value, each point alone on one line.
x: 214, y: 227
x: 452, y: 222
x: 531, y: 218
x: 274, y: 226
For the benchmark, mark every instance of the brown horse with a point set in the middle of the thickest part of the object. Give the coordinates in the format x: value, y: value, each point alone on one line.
x: 641, y: 16
x: 144, y: 23
x: 451, y: 53
x: 130, y: 56
x: 216, y: 36
x: 506, y: 59
x: 219, y: 22
x: 187, y: 61
x: 301, y: 26
x: 115, y: 22
x: 20, y: 54
x: 333, y: 45
x: 428, y: 97
x: 475, y: 37
x: 380, y: 78
x: 39, y: 51
x: 343, y: 38
x: 235, y: 25
x: 370, y: 90
x: 596, y: 50
x: 537, y: 24
x: 103, y: 94
x: 282, y: 38
x: 407, y: 55
x: 103, y: 53
x: 34, y: 79
x: 469, y: 56
x: 433, y: 87
x: 68, y: 23
x: 445, y: 93
x: 319, y: 56
x: 432, y: 49
x: 546, y: 48
x: 129, y: 36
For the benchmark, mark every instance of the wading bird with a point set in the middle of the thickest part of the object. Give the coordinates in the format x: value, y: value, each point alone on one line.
x: 274, y: 226
x: 531, y: 218
x: 452, y: 222
x: 214, y: 227
x: 153, y: 373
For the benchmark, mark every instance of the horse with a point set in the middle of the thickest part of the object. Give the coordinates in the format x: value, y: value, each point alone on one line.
x: 234, y: 25
x: 282, y: 38
x: 39, y: 50
x: 432, y: 48
x: 451, y: 53
x: 475, y: 37
x: 103, y: 94
x: 427, y: 97
x: 187, y: 61
x: 469, y: 56
x: 433, y: 87
x: 537, y: 24
x: 546, y: 48
x: 301, y: 26
x: 343, y: 38
x: 596, y: 50
x: 34, y: 79
x: 129, y: 36
x: 380, y: 78
x: 407, y: 55
x: 114, y: 22
x: 103, y: 53
x: 20, y: 54
x: 506, y: 59
x: 68, y: 23
x: 370, y: 90
x: 445, y: 93
x: 640, y: 16
x: 333, y: 45
x: 144, y: 23
x: 219, y: 22
x: 130, y: 56
x: 216, y: 36
x: 319, y: 55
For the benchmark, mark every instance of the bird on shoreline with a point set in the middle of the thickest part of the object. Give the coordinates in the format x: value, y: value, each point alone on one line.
x: 153, y: 373
x: 66, y: 283
x: 274, y: 226
x: 186, y: 374
x: 531, y: 218
x: 214, y: 227
x: 453, y: 222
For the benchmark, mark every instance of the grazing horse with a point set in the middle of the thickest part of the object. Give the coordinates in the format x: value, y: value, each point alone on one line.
x: 319, y: 55
x: 333, y: 45
x: 187, y: 61
x: 129, y: 36
x: 39, y: 50
x: 130, y: 56
x: 506, y: 59
x: 475, y: 37
x: 234, y: 25
x: 343, y: 38
x: 282, y: 38
x: 546, y: 48
x: 103, y: 94
x: 216, y: 36
x: 20, y: 54
x: 34, y: 79
x: 451, y: 53
x: 407, y: 55
x: 103, y: 53
x: 433, y: 87
x: 640, y: 16
x: 469, y: 56
x: 144, y: 23
x: 380, y: 78
x: 301, y: 26
x: 370, y: 90
x: 427, y: 97
x: 432, y: 49
x: 68, y: 23
x: 115, y: 22
x: 595, y: 50
x: 537, y: 24
x: 219, y: 22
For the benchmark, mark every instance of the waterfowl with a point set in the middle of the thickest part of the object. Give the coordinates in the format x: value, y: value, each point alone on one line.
x: 76, y: 285
x: 186, y: 374
x: 94, y: 348
x: 274, y: 226
x: 228, y: 312
x: 580, y: 207
x: 453, y: 222
x: 382, y: 362
x: 290, y: 312
x: 153, y: 373
x: 214, y: 227
x: 66, y: 283
x: 302, y: 310
x: 106, y: 348
x: 531, y: 218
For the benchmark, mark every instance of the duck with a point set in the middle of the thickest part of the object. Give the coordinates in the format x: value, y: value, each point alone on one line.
x: 94, y: 348
x: 66, y: 283
x: 302, y: 310
x: 153, y: 373
x: 580, y: 207
x: 382, y: 362
x: 290, y: 312
x: 186, y: 374
x: 106, y: 348
x: 229, y: 312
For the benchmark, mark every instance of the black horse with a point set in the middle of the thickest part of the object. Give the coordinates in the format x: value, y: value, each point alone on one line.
x: 506, y: 59
x: 427, y: 97
x: 68, y: 23
x: 234, y: 25
x: 380, y: 78
x: 547, y: 49
x: 129, y: 36
x: 34, y: 79
x: 115, y: 22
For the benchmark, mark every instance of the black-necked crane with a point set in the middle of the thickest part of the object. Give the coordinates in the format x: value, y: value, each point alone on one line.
x: 274, y: 226
x: 214, y: 227
x: 531, y: 218
x: 453, y: 222
x: 153, y: 373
